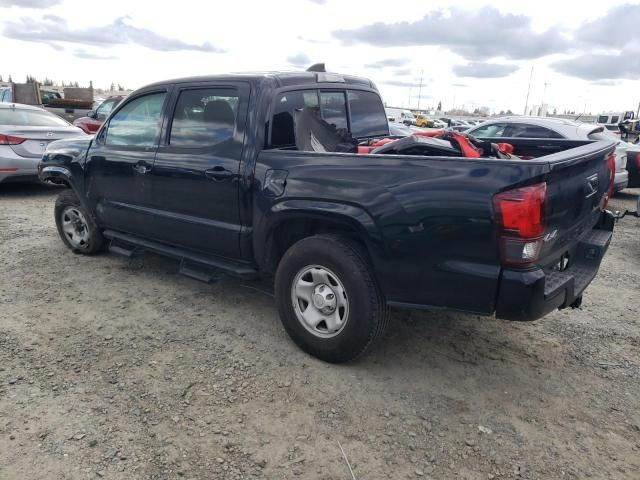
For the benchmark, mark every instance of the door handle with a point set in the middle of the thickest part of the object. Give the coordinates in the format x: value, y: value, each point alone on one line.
x: 219, y: 174
x: 141, y: 167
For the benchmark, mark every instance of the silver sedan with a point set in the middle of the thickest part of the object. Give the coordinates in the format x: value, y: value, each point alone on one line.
x: 548, y: 127
x: 25, y: 132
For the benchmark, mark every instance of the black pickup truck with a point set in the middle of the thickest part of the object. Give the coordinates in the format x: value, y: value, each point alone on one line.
x: 206, y: 170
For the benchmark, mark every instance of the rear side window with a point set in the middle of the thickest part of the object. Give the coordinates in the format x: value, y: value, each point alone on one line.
x: 204, y: 117
x: 615, y: 119
x: 603, y: 119
x: 137, y: 124
x: 523, y: 130
x: 368, y: 118
x: 333, y: 108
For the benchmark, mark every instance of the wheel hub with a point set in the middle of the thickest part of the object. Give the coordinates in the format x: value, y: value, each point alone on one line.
x: 320, y: 301
x: 324, y: 298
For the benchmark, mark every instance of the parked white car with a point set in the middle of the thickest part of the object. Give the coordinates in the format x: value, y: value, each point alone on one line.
x: 547, y: 127
x: 400, y: 115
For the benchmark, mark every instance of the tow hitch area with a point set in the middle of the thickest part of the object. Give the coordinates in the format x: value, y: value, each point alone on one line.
x: 618, y: 215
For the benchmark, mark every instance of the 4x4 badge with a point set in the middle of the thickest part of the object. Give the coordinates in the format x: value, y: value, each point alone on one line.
x: 591, y: 187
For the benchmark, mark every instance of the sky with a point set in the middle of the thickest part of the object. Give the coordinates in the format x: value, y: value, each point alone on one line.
x: 580, y: 55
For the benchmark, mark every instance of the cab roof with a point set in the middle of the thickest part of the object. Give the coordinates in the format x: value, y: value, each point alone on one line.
x: 282, y: 79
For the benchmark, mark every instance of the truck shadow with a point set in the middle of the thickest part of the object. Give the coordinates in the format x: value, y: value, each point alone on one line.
x: 33, y: 189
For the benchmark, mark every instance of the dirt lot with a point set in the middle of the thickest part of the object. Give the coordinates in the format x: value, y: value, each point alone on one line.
x: 122, y: 369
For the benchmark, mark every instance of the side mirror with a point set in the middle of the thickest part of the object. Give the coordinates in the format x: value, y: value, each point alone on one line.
x: 92, y: 114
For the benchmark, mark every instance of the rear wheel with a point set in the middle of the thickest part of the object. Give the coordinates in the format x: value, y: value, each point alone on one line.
x: 328, y: 299
x: 77, y: 230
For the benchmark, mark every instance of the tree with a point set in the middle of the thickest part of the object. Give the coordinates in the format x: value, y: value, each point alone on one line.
x: 509, y: 112
x: 112, y: 87
x: 90, y: 83
x: 440, y: 106
x: 0, y: 78
x: 76, y: 84
x: 10, y: 80
x: 120, y: 88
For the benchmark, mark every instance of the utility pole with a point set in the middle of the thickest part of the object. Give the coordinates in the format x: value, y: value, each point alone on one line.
x: 420, y: 89
x: 526, y: 102
x: 544, y: 92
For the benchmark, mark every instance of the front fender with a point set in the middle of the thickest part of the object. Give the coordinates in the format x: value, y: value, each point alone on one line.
x: 63, y: 163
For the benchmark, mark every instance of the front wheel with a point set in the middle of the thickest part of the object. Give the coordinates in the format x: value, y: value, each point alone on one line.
x: 328, y: 299
x: 77, y: 230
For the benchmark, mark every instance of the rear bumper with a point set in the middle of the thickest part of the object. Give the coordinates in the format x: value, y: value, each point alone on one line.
x: 621, y: 180
x: 531, y: 294
x: 15, y: 168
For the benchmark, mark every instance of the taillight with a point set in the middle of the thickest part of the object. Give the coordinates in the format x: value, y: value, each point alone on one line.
x: 521, y: 216
x: 10, y: 139
x: 611, y: 162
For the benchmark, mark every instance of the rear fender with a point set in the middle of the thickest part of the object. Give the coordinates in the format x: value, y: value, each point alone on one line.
x: 351, y: 216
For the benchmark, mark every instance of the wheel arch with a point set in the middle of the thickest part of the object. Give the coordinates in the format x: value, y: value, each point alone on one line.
x: 291, y: 221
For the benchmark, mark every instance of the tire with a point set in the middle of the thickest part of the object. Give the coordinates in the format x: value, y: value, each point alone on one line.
x: 345, y: 268
x: 75, y: 226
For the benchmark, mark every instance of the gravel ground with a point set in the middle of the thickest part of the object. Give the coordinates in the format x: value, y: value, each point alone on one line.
x: 122, y: 369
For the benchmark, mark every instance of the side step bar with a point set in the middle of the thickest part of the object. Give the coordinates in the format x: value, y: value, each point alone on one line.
x: 197, y: 272
x: 193, y: 265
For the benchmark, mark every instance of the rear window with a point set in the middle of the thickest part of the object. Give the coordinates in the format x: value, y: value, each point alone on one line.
x: 333, y: 108
x: 282, y: 125
x: 604, y: 134
x: 368, y: 118
x: 30, y: 118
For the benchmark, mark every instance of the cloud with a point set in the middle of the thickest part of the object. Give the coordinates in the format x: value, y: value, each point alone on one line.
x: 55, y: 29
x: 93, y: 56
x: 402, y: 83
x: 615, y: 29
x: 461, y: 85
x: 606, y: 83
x: 402, y: 72
x: 299, y: 60
x: 476, y: 34
x: 318, y: 2
x: 600, y: 66
x: 389, y: 62
x: 484, y: 70
x: 312, y: 40
x: 29, y: 3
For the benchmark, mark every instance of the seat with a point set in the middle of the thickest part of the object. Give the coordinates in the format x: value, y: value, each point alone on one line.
x: 220, y: 112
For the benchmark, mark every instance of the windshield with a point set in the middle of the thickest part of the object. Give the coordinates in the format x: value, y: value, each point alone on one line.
x: 30, y: 118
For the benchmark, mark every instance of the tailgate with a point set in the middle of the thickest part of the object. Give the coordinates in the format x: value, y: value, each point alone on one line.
x: 577, y: 185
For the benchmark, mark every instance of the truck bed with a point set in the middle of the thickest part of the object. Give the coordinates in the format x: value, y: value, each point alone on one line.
x: 439, y: 210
